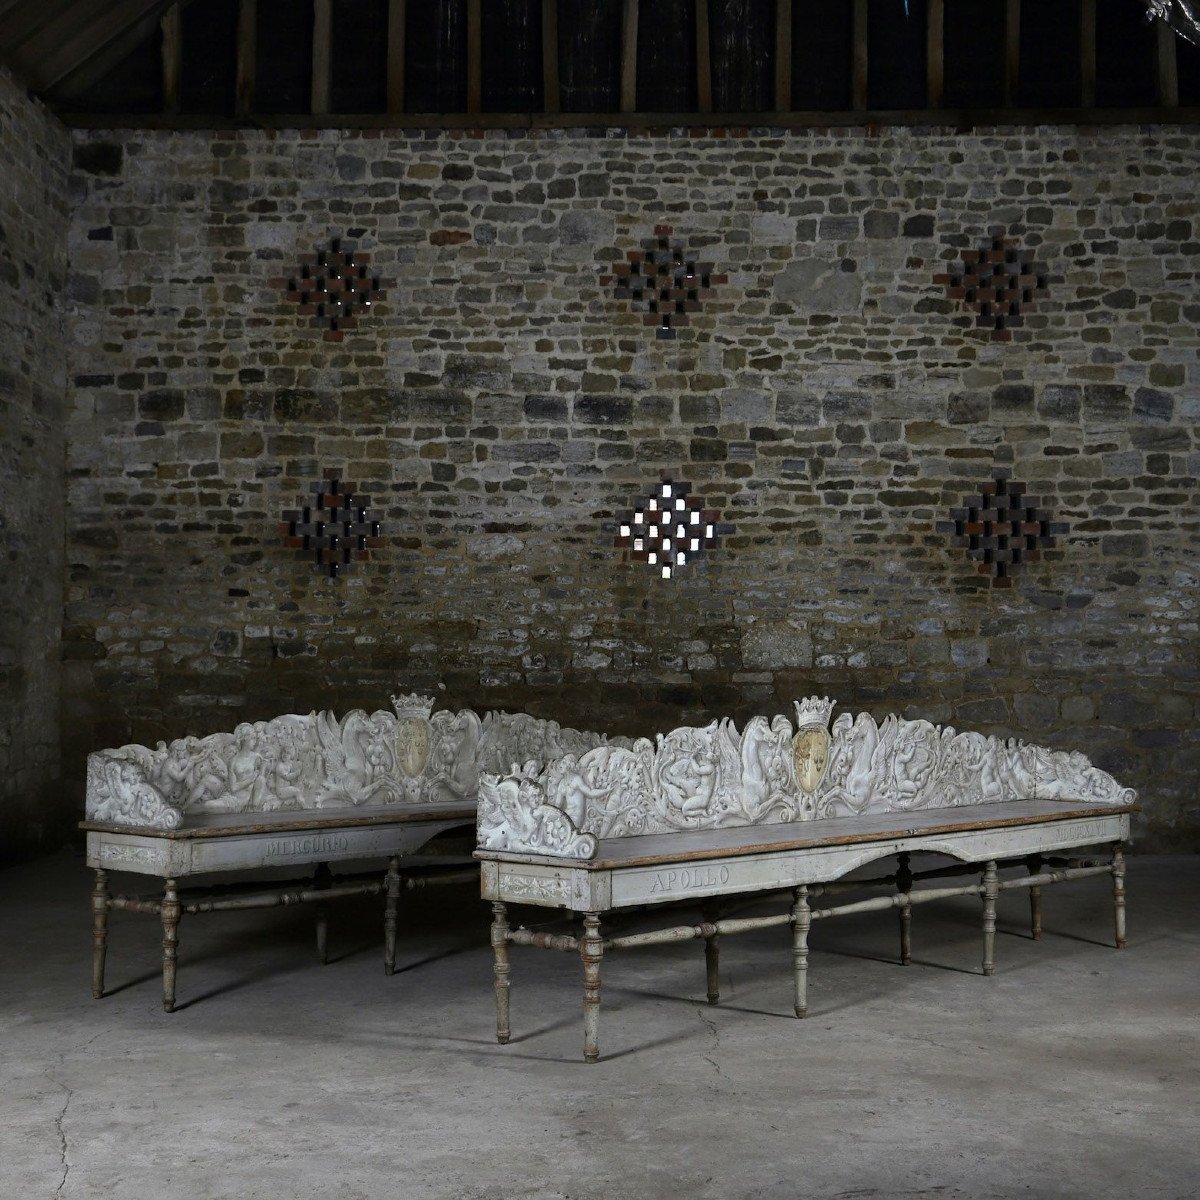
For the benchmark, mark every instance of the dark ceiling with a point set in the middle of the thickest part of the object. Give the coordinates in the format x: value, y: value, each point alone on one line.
x: 192, y: 62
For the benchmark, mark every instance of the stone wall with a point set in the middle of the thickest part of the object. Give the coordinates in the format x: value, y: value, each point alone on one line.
x: 500, y: 406
x: 34, y: 164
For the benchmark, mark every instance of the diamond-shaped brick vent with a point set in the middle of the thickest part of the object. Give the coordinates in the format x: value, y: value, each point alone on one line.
x: 999, y: 282
x: 333, y: 526
x: 1002, y: 529
x: 670, y: 528
x: 334, y: 287
x: 663, y: 281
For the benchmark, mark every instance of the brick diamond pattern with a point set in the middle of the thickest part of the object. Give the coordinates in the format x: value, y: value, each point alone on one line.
x: 670, y: 528
x: 1002, y: 528
x: 663, y: 281
x: 334, y: 287
x: 999, y: 282
x: 332, y: 525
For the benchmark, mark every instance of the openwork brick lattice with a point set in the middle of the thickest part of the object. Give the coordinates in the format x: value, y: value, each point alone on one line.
x: 334, y: 286
x: 999, y: 282
x: 670, y: 528
x: 333, y: 526
x: 1002, y: 529
x: 663, y: 281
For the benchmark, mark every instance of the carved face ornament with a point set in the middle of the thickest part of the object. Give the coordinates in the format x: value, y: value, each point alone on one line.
x: 412, y: 745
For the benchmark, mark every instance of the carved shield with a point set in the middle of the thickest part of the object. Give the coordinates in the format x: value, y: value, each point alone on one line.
x: 412, y: 745
x: 810, y: 757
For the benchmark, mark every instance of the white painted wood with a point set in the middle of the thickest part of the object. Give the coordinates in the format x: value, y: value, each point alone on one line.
x: 597, y: 889
x: 770, y: 774
x: 308, y: 763
x: 147, y: 854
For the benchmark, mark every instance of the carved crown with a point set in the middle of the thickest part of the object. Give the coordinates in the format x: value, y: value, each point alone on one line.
x: 814, y: 710
x: 413, y: 704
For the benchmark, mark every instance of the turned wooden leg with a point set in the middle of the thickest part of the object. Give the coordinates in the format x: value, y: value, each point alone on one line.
x: 904, y: 882
x: 591, y: 950
x: 500, y: 958
x: 99, y: 932
x: 990, y: 891
x: 1034, y: 864
x: 391, y: 906
x: 170, y: 910
x: 321, y: 880
x: 1118, y: 874
x: 709, y: 914
x: 801, y: 921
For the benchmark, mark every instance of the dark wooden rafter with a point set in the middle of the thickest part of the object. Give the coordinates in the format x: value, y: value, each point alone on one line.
x: 172, y: 57
x: 1167, y: 66
x: 396, y: 17
x: 83, y: 42
x: 703, y: 59
x: 322, y: 43
x: 551, y: 95
x: 629, y: 41
x: 935, y: 69
x: 474, y: 56
x: 783, y: 55
x: 247, y: 55
x: 20, y: 21
x: 953, y: 118
x: 1087, y: 53
x: 858, y: 73
x: 1012, y: 50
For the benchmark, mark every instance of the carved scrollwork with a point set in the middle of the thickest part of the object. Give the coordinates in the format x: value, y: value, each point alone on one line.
x: 120, y: 793
x: 713, y: 776
x: 514, y: 816
x: 320, y: 761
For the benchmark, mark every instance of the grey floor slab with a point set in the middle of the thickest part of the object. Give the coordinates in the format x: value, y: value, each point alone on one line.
x: 1074, y: 1072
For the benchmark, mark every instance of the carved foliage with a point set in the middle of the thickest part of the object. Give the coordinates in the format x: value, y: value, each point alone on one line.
x: 514, y: 817
x: 320, y: 761
x: 713, y: 777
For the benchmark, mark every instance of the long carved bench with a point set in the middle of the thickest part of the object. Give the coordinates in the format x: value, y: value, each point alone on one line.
x: 716, y: 816
x: 297, y: 791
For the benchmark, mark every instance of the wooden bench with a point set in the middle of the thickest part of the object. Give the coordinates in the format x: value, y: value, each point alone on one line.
x: 713, y: 815
x: 297, y: 791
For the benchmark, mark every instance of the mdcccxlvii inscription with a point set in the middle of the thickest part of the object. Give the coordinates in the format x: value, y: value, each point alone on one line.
x: 689, y: 878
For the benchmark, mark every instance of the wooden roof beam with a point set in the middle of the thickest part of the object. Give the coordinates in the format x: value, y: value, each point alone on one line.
x: 97, y: 44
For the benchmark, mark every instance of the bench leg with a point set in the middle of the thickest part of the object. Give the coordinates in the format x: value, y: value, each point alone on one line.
x: 904, y: 882
x: 321, y: 880
x: 99, y: 932
x: 500, y: 958
x: 391, y: 906
x: 1033, y: 864
x: 591, y: 951
x: 171, y: 910
x: 990, y: 891
x: 709, y: 914
x: 801, y: 921
x: 1118, y: 874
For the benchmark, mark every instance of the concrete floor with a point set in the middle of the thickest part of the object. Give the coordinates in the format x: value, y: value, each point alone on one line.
x: 1074, y: 1072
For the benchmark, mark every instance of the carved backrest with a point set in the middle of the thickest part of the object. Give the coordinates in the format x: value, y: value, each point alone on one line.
x: 715, y: 777
x: 320, y: 762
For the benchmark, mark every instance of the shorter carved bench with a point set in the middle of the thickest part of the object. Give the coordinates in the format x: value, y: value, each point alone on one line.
x: 291, y: 792
x: 715, y: 816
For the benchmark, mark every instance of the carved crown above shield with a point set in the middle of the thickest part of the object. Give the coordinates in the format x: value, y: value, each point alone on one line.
x: 413, y: 704
x: 814, y: 710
